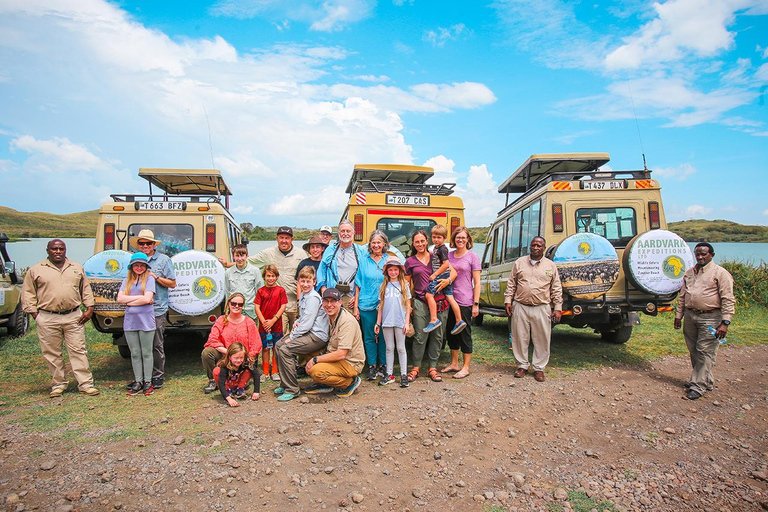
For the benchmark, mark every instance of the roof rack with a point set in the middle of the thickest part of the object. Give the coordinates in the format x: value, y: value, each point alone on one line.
x: 406, y: 179
x: 538, y: 166
x: 187, y: 181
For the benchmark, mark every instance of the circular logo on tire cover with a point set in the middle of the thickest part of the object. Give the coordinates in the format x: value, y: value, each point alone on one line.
x: 106, y: 271
x: 199, y: 283
x: 588, y: 265
x: 655, y: 261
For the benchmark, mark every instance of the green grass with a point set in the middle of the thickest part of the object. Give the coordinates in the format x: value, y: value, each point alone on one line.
x: 580, y: 502
x: 181, y: 408
x: 18, y: 224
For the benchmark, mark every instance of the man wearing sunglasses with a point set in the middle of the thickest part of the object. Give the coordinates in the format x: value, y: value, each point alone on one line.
x: 161, y: 268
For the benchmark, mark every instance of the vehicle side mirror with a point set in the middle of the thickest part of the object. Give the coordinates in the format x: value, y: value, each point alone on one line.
x: 244, y: 240
x: 10, y: 267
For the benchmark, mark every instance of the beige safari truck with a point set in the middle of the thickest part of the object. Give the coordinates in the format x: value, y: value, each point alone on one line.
x: 186, y: 209
x: 397, y: 200
x: 560, y: 195
x: 12, y: 317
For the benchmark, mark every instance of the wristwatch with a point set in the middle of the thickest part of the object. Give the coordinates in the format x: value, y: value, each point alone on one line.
x: 476, y: 304
x: 726, y: 322
x: 314, y: 360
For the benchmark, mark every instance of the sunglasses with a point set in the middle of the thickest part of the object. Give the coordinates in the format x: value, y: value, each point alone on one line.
x: 146, y: 243
x: 236, y: 304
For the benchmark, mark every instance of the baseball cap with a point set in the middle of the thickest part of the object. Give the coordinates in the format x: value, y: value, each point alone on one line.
x: 284, y: 230
x: 332, y: 293
x: 326, y: 228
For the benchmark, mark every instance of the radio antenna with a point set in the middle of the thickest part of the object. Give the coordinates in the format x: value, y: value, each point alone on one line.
x: 642, y: 149
x: 210, y: 142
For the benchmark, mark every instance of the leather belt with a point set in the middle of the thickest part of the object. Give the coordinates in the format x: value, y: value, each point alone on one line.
x: 701, y: 311
x: 60, y: 312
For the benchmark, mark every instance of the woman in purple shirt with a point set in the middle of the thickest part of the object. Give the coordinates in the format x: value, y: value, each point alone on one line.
x: 466, y: 292
x: 137, y: 293
x: 418, y: 268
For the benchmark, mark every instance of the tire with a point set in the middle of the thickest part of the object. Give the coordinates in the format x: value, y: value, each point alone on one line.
x: 619, y: 336
x: 18, y: 324
x: 125, y: 352
x: 478, y: 320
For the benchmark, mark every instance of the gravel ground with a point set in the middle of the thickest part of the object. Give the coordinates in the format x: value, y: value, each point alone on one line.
x: 489, y: 442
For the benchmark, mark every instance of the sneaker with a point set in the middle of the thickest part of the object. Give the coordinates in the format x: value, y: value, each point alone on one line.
x: 148, y: 388
x: 130, y: 385
x: 317, y: 388
x: 91, y: 391
x: 372, y: 371
x: 276, y: 377
x: 404, y: 381
x: 347, y: 391
x: 239, y: 394
x: 210, y: 387
x: 263, y: 378
x: 135, y: 389
x: 279, y: 390
x: 157, y: 383
x: 387, y: 379
x: 381, y: 371
x: 431, y: 326
x: 57, y: 391
x: 286, y: 397
x: 460, y: 325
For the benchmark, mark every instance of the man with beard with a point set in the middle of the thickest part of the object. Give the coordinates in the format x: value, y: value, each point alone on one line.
x: 338, y: 267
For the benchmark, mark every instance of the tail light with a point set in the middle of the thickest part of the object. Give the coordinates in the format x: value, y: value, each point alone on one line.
x: 210, y: 237
x: 557, y: 218
x: 653, y: 215
x: 454, y: 225
x: 358, y: 227
x: 109, y: 237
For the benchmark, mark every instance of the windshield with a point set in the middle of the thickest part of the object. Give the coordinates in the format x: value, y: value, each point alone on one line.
x: 400, y: 231
x: 616, y: 224
x: 174, y: 238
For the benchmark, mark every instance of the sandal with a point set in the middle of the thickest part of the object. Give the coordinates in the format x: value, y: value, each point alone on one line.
x: 413, y: 374
x: 450, y: 369
x: 461, y: 375
x: 433, y: 374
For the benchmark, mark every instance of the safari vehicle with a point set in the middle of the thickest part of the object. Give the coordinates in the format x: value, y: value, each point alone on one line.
x: 186, y: 209
x: 565, y: 194
x: 397, y: 200
x: 12, y: 316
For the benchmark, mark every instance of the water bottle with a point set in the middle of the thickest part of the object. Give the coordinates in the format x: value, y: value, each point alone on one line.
x: 713, y: 332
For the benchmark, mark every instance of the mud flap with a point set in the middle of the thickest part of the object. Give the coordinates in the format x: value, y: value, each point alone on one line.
x: 632, y: 318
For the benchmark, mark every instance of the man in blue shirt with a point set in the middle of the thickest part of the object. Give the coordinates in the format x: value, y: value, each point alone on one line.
x: 161, y: 268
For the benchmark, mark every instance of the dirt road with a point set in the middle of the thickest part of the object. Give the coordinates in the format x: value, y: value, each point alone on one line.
x: 488, y: 442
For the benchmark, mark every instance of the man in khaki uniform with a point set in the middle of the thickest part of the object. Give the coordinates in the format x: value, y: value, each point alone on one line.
x: 706, y: 300
x: 341, y: 365
x: 53, y: 291
x: 534, y: 286
x: 286, y: 257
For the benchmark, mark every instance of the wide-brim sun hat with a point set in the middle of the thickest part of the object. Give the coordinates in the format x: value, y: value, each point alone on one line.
x: 138, y: 257
x: 315, y: 240
x: 144, y: 234
x: 392, y: 260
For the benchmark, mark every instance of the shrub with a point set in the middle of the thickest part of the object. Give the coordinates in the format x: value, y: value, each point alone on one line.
x: 750, y: 282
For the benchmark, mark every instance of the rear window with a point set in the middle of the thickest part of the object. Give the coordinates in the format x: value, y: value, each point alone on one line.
x: 400, y: 231
x: 617, y: 224
x: 174, y: 238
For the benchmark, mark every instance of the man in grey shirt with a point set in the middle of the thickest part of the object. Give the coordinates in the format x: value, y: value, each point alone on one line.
x: 338, y: 267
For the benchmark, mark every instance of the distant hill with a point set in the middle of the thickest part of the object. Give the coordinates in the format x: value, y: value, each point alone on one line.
x: 699, y: 230
x: 17, y: 224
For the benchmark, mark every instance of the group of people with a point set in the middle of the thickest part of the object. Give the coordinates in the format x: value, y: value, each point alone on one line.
x: 323, y: 310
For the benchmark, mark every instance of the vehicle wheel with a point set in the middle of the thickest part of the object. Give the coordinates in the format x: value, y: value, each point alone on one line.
x: 478, y: 320
x: 124, y: 351
x: 619, y: 336
x: 18, y: 324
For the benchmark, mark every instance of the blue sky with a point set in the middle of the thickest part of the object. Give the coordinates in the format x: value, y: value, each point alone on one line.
x: 297, y: 92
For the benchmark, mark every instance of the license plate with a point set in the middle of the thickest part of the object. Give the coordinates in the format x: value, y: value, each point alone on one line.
x: 395, y: 200
x: 603, y: 185
x: 161, y: 205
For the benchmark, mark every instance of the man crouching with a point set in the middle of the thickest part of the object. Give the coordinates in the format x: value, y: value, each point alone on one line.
x: 339, y: 367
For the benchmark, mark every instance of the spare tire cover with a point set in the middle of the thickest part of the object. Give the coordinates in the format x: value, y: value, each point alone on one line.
x: 655, y: 261
x: 106, y: 271
x: 588, y: 265
x: 199, y: 283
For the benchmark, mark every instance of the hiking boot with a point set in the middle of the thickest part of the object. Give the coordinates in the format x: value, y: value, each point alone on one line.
x: 372, y: 371
x: 135, y: 389
x: 347, y: 391
x: 404, y: 381
x: 431, y: 326
x: 157, y: 383
x: 91, y: 391
x: 57, y: 391
x: 210, y: 387
x: 387, y: 379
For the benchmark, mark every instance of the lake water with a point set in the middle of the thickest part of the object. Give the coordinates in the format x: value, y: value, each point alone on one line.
x: 26, y: 254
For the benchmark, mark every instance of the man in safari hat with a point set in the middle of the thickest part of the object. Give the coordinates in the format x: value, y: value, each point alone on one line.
x: 161, y: 268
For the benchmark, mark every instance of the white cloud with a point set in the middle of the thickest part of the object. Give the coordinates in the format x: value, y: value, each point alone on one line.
x: 9, y: 166
x: 444, y: 169
x: 570, y: 138
x: 371, y: 78
x: 697, y: 210
x: 322, y: 15
x: 420, y: 97
x: 678, y: 173
x: 439, y: 36
x: 243, y: 163
x: 328, y: 200
x: 765, y: 212
x: 58, y: 154
x: 242, y: 210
